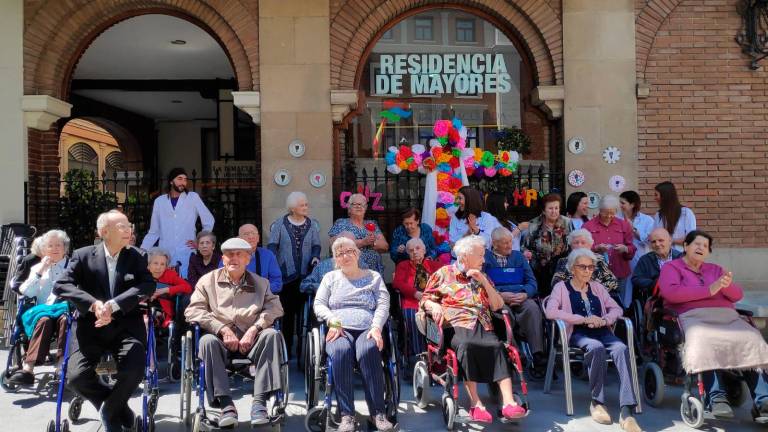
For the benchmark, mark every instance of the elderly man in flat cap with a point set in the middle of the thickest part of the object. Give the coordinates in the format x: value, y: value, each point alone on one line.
x: 235, y: 308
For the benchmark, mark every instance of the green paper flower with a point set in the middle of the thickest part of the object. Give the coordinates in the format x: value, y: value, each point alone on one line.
x: 487, y: 159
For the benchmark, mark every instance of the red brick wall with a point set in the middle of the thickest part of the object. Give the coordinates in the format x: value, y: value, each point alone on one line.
x: 705, y: 124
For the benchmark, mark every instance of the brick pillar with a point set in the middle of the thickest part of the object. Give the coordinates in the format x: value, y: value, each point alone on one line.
x: 42, y: 189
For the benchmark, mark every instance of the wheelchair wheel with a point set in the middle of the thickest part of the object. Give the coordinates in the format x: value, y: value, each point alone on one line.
x: 692, y: 411
x: 312, y: 376
x: 75, y: 408
x: 421, y: 384
x: 392, y: 391
x: 449, y: 412
x: 653, y: 384
x: 51, y: 426
x: 174, y: 371
x: 187, y: 379
x: 315, y: 420
x: 152, y: 403
x: 7, y: 386
x: 197, y: 421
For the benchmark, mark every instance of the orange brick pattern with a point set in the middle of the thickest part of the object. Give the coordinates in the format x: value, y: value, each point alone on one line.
x: 705, y: 124
x: 355, y: 24
x: 58, y: 32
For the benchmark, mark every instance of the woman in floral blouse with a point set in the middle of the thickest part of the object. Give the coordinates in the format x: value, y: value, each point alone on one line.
x: 461, y: 297
x: 547, y: 242
x: 368, y: 236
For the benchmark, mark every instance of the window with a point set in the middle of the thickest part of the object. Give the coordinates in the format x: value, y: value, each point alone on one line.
x: 114, y: 163
x: 423, y: 29
x: 84, y: 157
x: 465, y: 30
x: 388, y: 35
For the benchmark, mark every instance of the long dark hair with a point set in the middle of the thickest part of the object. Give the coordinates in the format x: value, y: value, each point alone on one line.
x: 573, y: 203
x: 494, y: 205
x: 670, y: 208
x: 473, y: 202
x: 633, y: 198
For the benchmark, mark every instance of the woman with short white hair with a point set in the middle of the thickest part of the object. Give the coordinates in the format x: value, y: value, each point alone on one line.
x: 295, y: 240
x: 354, y: 304
x: 47, y: 316
x: 582, y: 239
x: 460, y: 296
x: 589, y: 312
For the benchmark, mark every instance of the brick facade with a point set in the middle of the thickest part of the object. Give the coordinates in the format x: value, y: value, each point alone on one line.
x: 705, y: 124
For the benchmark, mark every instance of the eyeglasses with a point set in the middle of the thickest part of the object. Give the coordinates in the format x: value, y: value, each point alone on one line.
x: 124, y: 227
x: 584, y: 267
x: 348, y: 252
x: 357, y: 204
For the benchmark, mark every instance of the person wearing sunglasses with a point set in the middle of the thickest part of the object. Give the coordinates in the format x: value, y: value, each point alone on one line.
x: 589, y: 312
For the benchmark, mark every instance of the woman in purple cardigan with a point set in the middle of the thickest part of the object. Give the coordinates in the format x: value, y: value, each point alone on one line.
x: 716, y: 338
x: 589, y: 311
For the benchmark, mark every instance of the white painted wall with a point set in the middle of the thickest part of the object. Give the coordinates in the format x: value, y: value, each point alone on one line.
x: 13, y: 163
x: 179, y: 146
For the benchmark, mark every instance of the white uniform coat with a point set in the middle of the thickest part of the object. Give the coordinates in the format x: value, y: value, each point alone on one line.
x: 175, y: 226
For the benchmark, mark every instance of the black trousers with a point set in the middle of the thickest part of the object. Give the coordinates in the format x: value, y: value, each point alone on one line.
x: 293, y: 308
x: 130, y: 355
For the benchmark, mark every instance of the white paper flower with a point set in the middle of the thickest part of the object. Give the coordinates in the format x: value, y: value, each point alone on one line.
x: 611, y: 155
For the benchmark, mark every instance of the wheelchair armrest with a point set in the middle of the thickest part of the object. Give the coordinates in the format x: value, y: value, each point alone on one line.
x: 745, y: 312
x: 628, y: 326
x: 505, y: 317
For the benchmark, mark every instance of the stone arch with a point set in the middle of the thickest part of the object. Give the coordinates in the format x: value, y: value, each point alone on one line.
x: 355, y: 25
x: 647, y: 24
x: 57, y: 35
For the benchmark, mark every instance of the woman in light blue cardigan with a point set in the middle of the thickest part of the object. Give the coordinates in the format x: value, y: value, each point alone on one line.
x: 295, y: 241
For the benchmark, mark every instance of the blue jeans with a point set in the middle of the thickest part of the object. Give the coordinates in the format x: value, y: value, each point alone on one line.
x: 757, y: 382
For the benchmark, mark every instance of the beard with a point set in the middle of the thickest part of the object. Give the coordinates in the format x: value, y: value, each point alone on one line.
x: 179, y: 189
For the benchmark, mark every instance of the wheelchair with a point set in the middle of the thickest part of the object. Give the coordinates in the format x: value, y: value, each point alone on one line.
x: 319, y: 381
x: 573, y: 357
x: 193, y: 378
x: 47, y: 382
x: 664, y: 344
x: 407, y: 332
x: 440, y: 366
x: 171, y: 338
x: 145, y: 422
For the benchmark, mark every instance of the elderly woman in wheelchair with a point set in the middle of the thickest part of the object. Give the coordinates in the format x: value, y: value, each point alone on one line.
x: 461, y: 297
x: 588, y: 311
x: 700, y: 297
x: 354, y: 305
x: 235, y: 309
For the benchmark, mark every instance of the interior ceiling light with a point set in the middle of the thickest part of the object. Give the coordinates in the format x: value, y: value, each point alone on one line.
x: 175, y: 101
x: 179, y: 42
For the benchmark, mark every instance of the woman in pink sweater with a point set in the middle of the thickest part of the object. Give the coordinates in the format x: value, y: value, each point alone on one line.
x: 716, y: 338
x: 589, y: 311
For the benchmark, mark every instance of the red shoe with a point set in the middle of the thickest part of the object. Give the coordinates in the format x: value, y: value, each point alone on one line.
x: 479, y: 414
x: 513, y: 412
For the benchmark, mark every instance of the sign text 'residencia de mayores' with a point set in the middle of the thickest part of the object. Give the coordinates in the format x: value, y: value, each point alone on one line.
x: 442, y: 73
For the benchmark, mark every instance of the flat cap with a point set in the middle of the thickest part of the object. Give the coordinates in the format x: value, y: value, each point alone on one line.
x: 235, y: 243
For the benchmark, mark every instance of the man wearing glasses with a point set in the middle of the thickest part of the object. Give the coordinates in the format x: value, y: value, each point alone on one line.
x: 105, y: 283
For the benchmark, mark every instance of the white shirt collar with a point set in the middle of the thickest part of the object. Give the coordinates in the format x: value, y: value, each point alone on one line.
x: 106, y: 252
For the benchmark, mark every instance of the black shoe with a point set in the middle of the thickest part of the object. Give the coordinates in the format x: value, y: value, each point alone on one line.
x: 127, y: 417
x: 22, y: 378
x: 722, y: 410
x: 109, y: 426
x: 760, y: 414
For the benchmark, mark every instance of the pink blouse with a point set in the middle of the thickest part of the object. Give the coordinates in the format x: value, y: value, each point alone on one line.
x: 684, y: 289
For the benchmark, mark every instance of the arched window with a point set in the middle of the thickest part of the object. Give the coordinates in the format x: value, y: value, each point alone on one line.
x: 114, y: 163
x: 84, y: 157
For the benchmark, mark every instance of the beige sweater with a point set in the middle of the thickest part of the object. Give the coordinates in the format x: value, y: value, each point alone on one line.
x: 216, y: 303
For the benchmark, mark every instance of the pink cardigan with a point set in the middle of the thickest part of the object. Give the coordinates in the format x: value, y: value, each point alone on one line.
x: 558, y: 306
x: 683, y: 289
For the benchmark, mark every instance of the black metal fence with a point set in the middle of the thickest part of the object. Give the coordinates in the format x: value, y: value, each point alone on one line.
x: 399, y: 192
x: 51, y: 201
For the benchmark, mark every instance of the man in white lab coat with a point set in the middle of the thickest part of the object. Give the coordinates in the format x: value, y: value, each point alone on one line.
x: 173, y: 220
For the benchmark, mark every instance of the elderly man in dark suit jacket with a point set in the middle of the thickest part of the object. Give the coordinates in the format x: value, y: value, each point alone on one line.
x: 105, y: 283
x: 648, y: 267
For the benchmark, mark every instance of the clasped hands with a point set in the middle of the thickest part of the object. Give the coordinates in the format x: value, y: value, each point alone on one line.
x: 103, y: 313
x: 242, y: 345
x: 594, y: 321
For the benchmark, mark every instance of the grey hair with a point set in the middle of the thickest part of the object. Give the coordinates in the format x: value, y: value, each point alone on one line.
x: 103, y: 219
x: 358, y: 195
x: 204, y: 233
x: 342, y: 241
x: 57, y: 234
x: 465, y: 245
x: 581, y: 232
x: 579, y: 253
x: 36, y: 248
x: 501, y: 233
x: 293, y: 198
x: 609, y: 202
x: 415, y: 241
x: 158, y: 251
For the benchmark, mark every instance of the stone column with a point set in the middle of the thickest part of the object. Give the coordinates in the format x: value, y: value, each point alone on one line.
x: 600, y: 90
x: 295, y: 93
x: 13, y: 163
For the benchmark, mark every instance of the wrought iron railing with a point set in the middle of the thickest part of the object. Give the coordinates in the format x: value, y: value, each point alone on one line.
x: 396, y: 193
x: 233, y: 200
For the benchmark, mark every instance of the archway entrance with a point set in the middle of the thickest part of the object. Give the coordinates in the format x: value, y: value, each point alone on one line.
x: 161, y: 85
x: 442, y: 63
